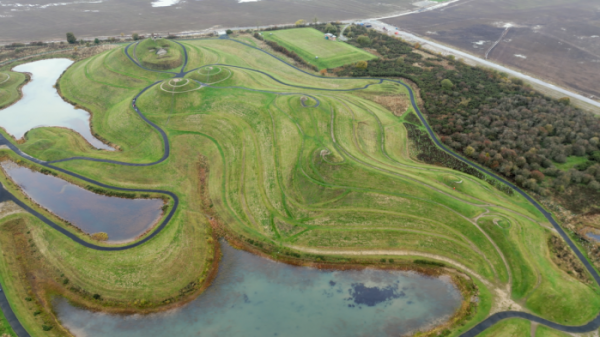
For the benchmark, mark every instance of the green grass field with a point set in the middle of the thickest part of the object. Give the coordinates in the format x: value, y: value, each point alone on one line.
x: 571, y: 162
x: 337, y: 180
x: 309, y: 43
x: 9, y: 85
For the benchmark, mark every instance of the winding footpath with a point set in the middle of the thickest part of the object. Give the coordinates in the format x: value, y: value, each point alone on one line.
x: 488, y: 322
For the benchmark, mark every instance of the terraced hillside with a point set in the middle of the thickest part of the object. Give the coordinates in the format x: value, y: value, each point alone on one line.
x: 280, y: 161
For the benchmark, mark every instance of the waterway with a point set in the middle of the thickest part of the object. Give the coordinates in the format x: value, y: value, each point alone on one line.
x: 122, y: 219
x: 253, y: 296
x: 41, y: 104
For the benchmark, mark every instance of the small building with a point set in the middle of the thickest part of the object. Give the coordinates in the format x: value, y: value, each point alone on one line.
x: 220, y: 32
x: 330, y: 36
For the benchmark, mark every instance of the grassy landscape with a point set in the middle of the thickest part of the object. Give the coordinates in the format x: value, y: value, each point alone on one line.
x: 10, y: 82
x: 336, y: 183
x: 309, y: 43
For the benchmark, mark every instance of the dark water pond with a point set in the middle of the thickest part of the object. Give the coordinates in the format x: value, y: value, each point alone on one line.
x: 42, y: 106
x: 253, y: 296
x: 122, y: 219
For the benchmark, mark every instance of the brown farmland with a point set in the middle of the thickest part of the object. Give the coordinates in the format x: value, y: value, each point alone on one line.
x: 554, y: 40
x: 34, y: 20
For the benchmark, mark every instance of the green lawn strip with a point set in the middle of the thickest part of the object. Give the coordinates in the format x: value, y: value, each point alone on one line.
x: 309, y: 43
x: 512, y: 327
x: 544, y: 331
x: 571, y: 162
x: 247, y: 39
x: 5, y: 327
x: 15, y: 290
x: 406, y: 241
x: 9, y: 88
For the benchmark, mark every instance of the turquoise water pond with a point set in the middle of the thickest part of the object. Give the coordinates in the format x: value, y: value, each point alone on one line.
x: 253, y: 296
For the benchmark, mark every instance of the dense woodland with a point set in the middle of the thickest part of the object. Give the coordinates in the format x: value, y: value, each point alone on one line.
x: 544, y: 145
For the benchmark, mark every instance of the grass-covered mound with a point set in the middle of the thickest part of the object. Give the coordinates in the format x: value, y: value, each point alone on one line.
x: 216, y: 75
x: 159, y: 54
x: 309, y: 43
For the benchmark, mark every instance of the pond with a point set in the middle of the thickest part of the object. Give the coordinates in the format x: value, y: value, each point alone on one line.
x: 42, y: 106
x: 594, y: 236
x: 122, y: 219
x: 253, y: 296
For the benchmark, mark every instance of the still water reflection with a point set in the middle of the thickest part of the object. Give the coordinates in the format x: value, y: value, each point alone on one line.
x: 42, y: 106
x: 122, y: 219
x: 253, y: 296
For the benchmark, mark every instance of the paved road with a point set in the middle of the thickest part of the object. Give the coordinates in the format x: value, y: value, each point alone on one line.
x: 594, y: 324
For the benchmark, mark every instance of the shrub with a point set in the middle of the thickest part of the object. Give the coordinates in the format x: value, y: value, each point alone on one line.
x: 447, y: 84
x: 100, y: 236
x: 135, y: 36
x: 71, y: 38
x: 46, y: 327
x: 564, y: 100
x: 429, y: 263
x: 362, y: 65
x: 229, y: 32
x: 537, y: 175
x: 364, y: 40
x: 469, y: 151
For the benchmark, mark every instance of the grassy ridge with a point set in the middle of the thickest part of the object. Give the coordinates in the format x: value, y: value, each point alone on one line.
x: 309, y: 43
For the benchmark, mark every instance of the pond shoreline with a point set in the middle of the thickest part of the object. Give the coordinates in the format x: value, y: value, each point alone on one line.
x: 66, y: 223
x: 29, y: 78
x: 90, y: 120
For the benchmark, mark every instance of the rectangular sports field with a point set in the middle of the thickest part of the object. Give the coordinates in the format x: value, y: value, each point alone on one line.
x: 309, y: 43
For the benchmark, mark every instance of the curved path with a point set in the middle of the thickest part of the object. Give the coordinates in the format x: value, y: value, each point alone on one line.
x: 5, y: 195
